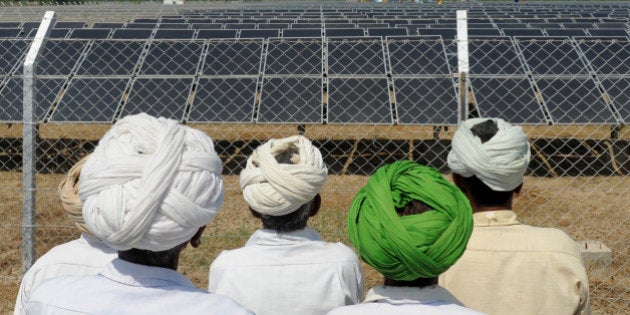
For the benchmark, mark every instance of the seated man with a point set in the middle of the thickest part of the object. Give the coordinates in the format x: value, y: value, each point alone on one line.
x: 84, y: 256
x: 411, y: 225
x: 286, y: 268
x: 508, y: 267
x: 148, y: 190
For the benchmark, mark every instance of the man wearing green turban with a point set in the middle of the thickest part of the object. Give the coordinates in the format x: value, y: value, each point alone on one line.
x: 411, y: 225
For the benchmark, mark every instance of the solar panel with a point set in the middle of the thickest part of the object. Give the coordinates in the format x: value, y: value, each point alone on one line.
x: 291, y: 100
x: 294, y: 56
x: 122, y: 33
x: 618, y: 89
x: 421, y: 101
x: 607, y: 56
x: 306, y: 25
x: 272, y: 26
x: 90, y: 33
x: 12, y: 98
x: 493, y: 55
x: 12, y: 24
x: 355, y: 56
x: 172, y: 58
x: 174, y: 26
x: 565, y: 32
x: 69, y: 24
x: 345, y: 32
x: 512, y: 99
x: 399, y: 31
x: 159, y: 97
x: 238, y: 26
x: 224, y: 100
x: 90, y: 100
x: 174, y: 34
x: 242, y: 57
x: 59, y: 57
x: 302, y: 32
x: 607, y: 32
x: 12, y: 53
x: 574, y: 100
x: 107, y: 25
x: 359, y: 100
x: 417, y: 56
x: 484, y: 32
x: 10, y: 32
x: 522, y: 32
x: 265, y: 33
x: 551, y: 55
x: 208, y: 34
x: 207, y: 26
x: 140, y: 25
x: 108, y: 57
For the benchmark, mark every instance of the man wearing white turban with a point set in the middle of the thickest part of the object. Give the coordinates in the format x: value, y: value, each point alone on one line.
x: 84, y: 256
x: 508, y: 267
x: 286, y: 267
x: 148, y: 190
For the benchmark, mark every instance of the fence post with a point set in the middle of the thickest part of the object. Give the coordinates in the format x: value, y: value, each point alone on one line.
x: 462, y: 62
x: 29, y: 142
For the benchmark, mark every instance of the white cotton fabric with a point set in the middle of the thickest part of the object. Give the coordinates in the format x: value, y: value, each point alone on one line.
x: 288, y: 273
x: 126, y: 288
x: 278, y: 189
x: 86, y: 255
x: 500, y: 162
x: 150, y: 184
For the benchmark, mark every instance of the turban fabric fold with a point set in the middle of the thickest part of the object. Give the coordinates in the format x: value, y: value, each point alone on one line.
x: 150, y: 184
x: 500, y: 162
x: 69, y: 194
x: 413, y: 246
x: 278, y: 189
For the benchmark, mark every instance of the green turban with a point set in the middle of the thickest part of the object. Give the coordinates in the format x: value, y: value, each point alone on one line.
x: 413, y: 246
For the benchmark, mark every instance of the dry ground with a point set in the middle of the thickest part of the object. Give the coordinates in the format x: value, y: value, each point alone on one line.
x: 587, y: 208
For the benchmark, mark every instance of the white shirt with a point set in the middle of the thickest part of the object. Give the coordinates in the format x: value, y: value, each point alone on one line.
x: 433, y: 300
x: 84, y: 256
x: 127, y: 288
x: 288, y: 273
x: 513, y: 268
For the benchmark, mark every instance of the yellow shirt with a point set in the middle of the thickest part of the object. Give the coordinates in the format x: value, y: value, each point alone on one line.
x: 512, y: 268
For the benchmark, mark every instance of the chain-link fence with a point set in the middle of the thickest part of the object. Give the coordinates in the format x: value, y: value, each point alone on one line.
x: 364, y: 101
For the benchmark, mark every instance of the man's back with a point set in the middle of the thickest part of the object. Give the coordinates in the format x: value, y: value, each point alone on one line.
x: 511, y: 268
x: 292, y: 272
x: 127, y: 288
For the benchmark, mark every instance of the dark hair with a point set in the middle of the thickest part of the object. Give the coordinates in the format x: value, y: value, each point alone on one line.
x: 484, y: 195
x: 151, y: 258
x: 297, y: 219
x: 413, y: 207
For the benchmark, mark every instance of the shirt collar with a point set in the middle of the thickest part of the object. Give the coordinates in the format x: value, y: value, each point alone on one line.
x: 270, y: 237
x: 143, y: 276
x: 410, y: 294
x: 495, y: 218
x: 96, y: 243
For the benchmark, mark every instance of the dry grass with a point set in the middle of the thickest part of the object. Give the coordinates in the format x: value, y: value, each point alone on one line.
x: 587, y: 208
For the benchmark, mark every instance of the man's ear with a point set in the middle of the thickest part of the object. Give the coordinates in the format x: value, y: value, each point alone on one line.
x: 195, y: 241
x: 317, y: 203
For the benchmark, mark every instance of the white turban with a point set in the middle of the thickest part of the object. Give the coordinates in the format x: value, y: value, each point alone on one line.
x: 150, y: 184
x: 278, y: 189
x: 500, y: 162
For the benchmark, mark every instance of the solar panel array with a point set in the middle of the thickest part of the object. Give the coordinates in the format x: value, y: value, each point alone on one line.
x: 334, y: 64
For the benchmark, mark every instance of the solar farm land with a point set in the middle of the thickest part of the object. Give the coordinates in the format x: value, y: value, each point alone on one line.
x: 369, y: 83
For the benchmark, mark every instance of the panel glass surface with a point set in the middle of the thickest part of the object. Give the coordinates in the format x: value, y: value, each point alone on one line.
x: 233, y: 57
x: 291, y: 100
x: 109, y: 57
x: 166, y: 97
x: 425, y: 101
x: 172, y: 58
x: 59, y: 57
x: 12, y: 52
x: 355, y: 56
x: 294, y: 56
x: 12, y: 98
x: 224, y: 100
x: 352, y: 100
x: 607, y: 56
x: 574, y: 101
x: 554, y: 55
x: 90, y: 100
x: 417, y: 56
x: 493, y: 56
x: 512, y: 99
x: 618, y: 90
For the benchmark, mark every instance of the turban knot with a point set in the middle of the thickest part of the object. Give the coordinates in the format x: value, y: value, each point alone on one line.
x: 500, y: 162
x: 69, y: 194
x: 277, y: 189
x: 413, y: 246
x: 150, y: 184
